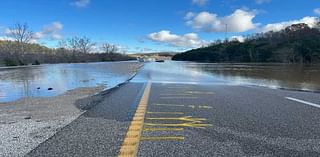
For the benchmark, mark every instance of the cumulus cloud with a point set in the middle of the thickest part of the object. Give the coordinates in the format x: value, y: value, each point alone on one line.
x: 317, y: 11
x: 311, y: 21
x: 239, y: 21
x: 51, y: 31
x: 200, y: 2
x: 81, y: 3
x: 262, y: 1
x: 190, y: 40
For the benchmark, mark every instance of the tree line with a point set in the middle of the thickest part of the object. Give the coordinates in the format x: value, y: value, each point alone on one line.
x: 18, y: 49
x: 297, y: 43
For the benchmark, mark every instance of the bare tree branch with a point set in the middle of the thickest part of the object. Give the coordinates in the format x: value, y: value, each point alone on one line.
x: 109, y: 48
x: 85, y: 44
x: 21, y: 33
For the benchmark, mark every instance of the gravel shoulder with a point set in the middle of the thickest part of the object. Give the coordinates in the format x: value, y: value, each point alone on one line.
x: 26, y: 123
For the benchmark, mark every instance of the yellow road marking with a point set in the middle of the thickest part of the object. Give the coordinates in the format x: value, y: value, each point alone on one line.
x: 191, y: 106
x: 130, y: 144
x: 205, y: 107
x: 178, y: 87
x: 160, y: 138
x: 165, y: 113
x: 175, y: 94
x: 191, y: 125
x: 173, y: 105
x: 198, y: 92
x: 200, y: 106
x: 176, y: 97
x: 163, y: 129
x: 188, y: 119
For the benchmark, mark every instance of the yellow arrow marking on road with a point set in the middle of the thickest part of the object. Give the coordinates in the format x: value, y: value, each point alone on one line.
x: 161, y: 138
x: 187, y: 119
x: 173, y: 105
x: 191, y: 106
x: 176, y: 97
x: 198, y: 92
x: 163, y: 129
x: 176, y: 94
x: 165, y: 113
x: 205, y: 107
x: 191, y: 125
x: 178, y: 87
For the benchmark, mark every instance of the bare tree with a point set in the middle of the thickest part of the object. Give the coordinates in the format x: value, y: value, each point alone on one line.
x: 78, y: 44
x: 72, y: 44
x: 85, y: 44
x: 21, y: 33
x: 63, y: 44
x: 109, y: 48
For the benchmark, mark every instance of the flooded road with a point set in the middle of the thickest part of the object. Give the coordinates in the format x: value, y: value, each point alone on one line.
x: 288, y: 76
x: 34, y: 81
x: 21, y: 82
x: 190, y: 109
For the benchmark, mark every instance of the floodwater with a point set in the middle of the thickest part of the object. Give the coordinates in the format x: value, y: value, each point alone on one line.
x: 21, y: 82
x: 34, y: 81
x: 286, y: 76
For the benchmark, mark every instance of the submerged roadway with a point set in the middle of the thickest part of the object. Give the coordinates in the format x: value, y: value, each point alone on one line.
x: 167, y: 110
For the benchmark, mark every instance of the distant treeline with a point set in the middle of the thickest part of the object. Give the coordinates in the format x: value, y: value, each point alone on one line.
x: 296, y: 44
x: 19, y: 50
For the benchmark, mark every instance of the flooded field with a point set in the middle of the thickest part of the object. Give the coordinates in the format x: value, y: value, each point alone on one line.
x: 34, y: 81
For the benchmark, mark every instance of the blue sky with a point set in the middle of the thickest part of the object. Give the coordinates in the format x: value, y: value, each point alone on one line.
x: 154, y: 25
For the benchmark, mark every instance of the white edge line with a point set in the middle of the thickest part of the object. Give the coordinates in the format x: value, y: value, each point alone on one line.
x: 304, y: 102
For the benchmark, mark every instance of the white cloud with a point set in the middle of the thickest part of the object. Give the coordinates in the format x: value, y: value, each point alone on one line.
x: 51, y: 31
x: 189, y: 15
x: 81, y: 3
x: 190, y: 40
x: 238, y: 38
x: 311, y: 21
x: 239, y: 21
x: 262, y: 1
x: 200, y: 2
x: 6, y: 38
x: 317, y: 11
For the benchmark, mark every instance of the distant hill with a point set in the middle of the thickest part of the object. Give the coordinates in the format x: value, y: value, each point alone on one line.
x: 164, y: 54
x: 296, y: 44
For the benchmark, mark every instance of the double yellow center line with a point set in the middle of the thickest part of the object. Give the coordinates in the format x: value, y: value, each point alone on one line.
x: 130, y: 144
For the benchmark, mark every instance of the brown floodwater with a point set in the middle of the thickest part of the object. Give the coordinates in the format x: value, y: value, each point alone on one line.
x: 288, y: 76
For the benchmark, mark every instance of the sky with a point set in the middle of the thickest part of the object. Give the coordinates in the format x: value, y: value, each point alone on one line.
x: 154, y: 25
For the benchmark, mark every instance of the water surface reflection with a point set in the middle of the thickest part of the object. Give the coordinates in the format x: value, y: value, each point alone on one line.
x: 25, y: 81
x: 291, y: 76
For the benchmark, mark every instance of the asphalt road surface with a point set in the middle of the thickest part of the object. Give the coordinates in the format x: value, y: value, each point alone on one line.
x: 178, y: 112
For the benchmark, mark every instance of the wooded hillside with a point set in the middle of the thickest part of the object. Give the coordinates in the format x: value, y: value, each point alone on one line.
x: 296, y: 44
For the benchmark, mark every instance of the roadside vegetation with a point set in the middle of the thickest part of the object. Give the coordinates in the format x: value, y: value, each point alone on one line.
x: 21, y: 50
x: 296, y: 44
